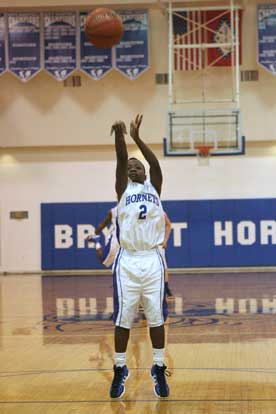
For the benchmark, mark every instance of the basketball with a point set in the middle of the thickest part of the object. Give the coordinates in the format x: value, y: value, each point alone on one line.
x: 103, y: 28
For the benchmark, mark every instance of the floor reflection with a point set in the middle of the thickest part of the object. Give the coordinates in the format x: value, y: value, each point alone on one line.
x: 205, y: 308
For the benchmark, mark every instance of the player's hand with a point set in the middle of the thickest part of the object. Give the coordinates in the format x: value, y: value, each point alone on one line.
x: 164, y: 244
x: 119, y: 128
x: 89, y: 238
x: 134, y: 127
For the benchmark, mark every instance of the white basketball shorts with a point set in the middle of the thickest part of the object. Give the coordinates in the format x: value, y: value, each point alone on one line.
x: 162, y: 251
x: 138, y: 277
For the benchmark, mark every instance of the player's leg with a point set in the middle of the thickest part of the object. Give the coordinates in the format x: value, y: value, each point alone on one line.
x: 156, y: 312
x: 158, y: 370
x: 157, y: 336
x: 121, y: 373
x: 121, y: 337
x: 126, y: 298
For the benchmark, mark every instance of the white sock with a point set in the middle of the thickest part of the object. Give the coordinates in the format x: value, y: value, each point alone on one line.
x: 120, y: 359
x: 158, y: 356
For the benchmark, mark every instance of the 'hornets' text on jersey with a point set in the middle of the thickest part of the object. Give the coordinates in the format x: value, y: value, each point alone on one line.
x: 138, y: 198
x: 140, y: 217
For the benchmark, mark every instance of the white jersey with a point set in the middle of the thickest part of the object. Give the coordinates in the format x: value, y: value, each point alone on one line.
x: 140, y: 217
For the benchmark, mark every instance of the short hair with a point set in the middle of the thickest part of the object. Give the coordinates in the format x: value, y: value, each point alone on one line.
x: 136, y: 159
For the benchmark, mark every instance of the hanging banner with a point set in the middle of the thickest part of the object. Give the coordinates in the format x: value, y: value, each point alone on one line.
x: 132, y: 55
x: 94, y: 62
x: 3, y: 66
x: 24, y: 44
x: 267, y: 37
x: 60, y: 41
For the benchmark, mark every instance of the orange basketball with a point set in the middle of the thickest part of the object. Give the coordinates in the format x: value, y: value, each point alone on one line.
x: 103, y: 28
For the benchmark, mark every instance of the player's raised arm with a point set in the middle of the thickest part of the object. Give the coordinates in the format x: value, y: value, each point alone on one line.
x: 119, y: 129
x: 155, y: 170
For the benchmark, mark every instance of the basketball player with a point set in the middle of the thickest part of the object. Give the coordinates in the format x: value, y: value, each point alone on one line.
x: 106, y: 254
x: 138, y: 269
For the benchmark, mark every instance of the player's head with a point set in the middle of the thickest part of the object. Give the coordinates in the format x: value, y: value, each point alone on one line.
x: 136, y: 170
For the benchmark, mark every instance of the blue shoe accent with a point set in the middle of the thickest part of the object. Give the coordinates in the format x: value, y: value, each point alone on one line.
x: 161, y: 387
x: 117, y: 388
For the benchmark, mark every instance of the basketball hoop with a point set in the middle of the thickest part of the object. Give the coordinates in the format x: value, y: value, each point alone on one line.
x: 203, y: 154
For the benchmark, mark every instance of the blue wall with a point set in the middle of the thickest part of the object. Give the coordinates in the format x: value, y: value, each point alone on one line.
x: 206, y: 233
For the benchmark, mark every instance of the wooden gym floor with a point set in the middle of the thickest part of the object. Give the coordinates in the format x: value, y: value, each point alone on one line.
x: 56, y: 346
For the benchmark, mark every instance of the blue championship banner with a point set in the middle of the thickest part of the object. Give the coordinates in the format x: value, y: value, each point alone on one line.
x: 205, y: 233
x: 132, y: 54
x: 94, y: 62
x: 60, y: 44
x: 3, y: 64
x: 24, y: 44
x: 267, y: 37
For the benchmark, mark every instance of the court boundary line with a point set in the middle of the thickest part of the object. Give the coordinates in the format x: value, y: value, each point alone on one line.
x: 172, y: 271
x: 137, y: 401
x: 84, y: 370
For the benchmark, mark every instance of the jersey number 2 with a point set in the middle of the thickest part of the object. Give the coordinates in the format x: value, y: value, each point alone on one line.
x: 143, y: 212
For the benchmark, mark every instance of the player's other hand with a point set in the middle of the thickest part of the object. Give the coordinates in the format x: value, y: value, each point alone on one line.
x: 134, y: 126
x: 164, y: 245
x: 119, y: 128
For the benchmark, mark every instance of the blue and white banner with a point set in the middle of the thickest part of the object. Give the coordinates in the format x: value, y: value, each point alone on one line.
x: 64, y: 229
x: 94, y: 62
x: 132, y: 54
x: 205, y: 233
x: 3, y: 62
x: 24, y: 44
x: 267, y: 37
x: 60, y: 44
